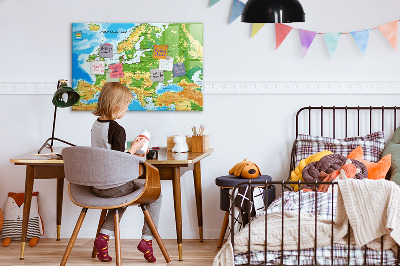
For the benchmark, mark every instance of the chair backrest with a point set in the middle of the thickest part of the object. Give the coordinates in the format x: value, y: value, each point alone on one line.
x: 92, y: 166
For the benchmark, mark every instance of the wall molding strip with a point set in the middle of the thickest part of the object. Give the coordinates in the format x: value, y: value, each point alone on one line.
x: 303, y: 87
x: 243, y: 87
x: 28, y: 88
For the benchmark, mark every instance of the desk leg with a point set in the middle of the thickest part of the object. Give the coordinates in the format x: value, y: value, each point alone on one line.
x: 27, y: 206
x: 60, y: 190
x: 176, y: 182
x: 199, y: 204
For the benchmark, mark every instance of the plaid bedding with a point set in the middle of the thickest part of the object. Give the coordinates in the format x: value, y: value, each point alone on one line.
x: 372, y: 145
x: 324, y: 257
x: 306, y: 202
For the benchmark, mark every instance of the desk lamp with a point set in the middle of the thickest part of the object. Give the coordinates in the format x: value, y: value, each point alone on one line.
x: 273, y: 11
x: 63, y: 97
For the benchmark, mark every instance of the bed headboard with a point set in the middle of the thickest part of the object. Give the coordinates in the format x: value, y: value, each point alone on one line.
x: 344, y: 121
x: 344, y: 118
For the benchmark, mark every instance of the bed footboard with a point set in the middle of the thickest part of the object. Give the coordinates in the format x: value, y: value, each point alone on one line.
x: 299, y: 256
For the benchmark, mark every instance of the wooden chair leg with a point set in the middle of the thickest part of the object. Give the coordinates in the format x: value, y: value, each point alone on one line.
x: 223, y: 229
x: 117, y: 238
x: 154, y: 230
x: 73, y: 237
x: 101, y: 222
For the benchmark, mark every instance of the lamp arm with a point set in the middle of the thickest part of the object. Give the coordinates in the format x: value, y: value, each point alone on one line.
x: 63, y: 141
x: 54, y: 121
x: 54, y: 126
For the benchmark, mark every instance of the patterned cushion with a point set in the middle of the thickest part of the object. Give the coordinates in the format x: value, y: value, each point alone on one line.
x: 372, y: 144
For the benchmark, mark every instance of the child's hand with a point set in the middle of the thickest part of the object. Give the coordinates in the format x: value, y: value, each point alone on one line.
x: 137, y: 144
x: 142, y: 155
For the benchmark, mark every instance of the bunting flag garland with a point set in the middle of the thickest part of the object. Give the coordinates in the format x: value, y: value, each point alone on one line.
x: 306, y: 39
x: 361, y: 37
x: 237, y: 9
x: 281, y: 31
x: 332, y: 41
x: 213, y: 2
x: 389, y: 30
x: 256, y: 28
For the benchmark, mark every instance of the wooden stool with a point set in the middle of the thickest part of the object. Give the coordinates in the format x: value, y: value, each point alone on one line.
x: 226, y: 183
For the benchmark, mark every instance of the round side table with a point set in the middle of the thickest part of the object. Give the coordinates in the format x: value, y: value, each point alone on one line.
x: 228, y: 182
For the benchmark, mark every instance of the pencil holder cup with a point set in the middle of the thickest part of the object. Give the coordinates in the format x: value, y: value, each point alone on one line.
x: 200, y: 143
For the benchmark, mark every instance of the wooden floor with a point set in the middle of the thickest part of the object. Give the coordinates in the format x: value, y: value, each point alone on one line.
x: 50, y: 252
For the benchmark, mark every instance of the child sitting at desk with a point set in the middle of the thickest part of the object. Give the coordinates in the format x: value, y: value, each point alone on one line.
x: 106, y: 133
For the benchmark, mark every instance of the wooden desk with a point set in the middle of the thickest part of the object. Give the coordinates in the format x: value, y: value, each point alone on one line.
x: 170, y: 165
x: 40, y: 167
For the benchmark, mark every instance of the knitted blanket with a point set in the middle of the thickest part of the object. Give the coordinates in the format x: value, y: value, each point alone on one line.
x: 371, y: 207
x: 274, y: 235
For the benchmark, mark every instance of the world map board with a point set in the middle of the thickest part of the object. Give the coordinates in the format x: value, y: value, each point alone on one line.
x: 161, y: 63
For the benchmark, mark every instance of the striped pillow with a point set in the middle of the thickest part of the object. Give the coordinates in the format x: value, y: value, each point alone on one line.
x: 372, y: 145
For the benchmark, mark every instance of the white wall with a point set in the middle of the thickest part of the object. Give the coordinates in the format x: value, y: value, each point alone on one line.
x: 35, y: 46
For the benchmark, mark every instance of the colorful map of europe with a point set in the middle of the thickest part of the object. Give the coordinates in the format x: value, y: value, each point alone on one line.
x: 161, y: 63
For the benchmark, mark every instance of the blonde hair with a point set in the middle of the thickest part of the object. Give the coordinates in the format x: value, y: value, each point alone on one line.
x: 113, y: 97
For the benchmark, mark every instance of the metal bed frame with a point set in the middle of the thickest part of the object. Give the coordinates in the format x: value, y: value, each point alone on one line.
x: 284, y: 184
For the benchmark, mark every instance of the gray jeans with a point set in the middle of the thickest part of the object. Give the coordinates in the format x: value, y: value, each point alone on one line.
x: 154, y: 208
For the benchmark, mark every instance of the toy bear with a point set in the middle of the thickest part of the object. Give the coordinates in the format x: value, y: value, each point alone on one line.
x: 180, y: 144
x: 245, y: 169
x: 13, y: 215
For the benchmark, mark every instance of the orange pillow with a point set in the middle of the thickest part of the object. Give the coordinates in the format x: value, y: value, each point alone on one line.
x: 375, y: 170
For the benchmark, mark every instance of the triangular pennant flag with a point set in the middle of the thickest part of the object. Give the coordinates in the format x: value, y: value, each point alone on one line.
x: 237, y: 9
x: 213, y: 2
x: 256, y: 28
x: 390, y: 32
x: 306, y: 39
x: 361, y: 37
x: 332, y: 41
x: 281, y: 31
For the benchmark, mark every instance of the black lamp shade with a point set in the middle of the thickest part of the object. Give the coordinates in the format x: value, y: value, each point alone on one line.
x: 273, y: 11
x: 71, y: 99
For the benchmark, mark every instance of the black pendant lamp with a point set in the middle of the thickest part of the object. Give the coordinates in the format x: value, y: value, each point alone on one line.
x: 273, y: 11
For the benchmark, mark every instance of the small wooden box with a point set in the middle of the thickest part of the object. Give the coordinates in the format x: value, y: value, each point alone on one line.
x: 200, y: 143
x: 171, y: 143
